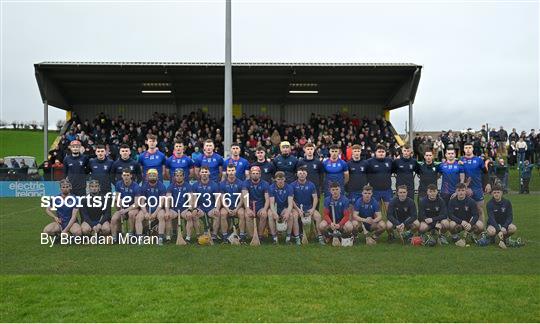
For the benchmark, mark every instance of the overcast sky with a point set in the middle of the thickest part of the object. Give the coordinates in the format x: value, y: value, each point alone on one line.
x: 481, y: 59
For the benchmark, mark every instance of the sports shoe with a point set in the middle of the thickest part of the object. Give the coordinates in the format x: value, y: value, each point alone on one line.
x: 160, y: 241
x: 391, y: 237
x: 298, y: 241
x: 275, y: 240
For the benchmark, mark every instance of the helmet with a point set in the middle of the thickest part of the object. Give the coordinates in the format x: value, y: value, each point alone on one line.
x: 416, y: 240
x: 204, y: 239
x: 306, y: 220
x: 429, y: 240
x: 281, y: 226
x: 347, y: 241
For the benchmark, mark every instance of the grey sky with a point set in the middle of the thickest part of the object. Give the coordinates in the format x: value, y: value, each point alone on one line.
x: 480, y: 59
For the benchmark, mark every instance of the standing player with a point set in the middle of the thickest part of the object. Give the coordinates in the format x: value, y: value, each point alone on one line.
x: 256, y: 201
x: 241, y: 164
x: 179, y: 193
x: 339, y: 205
x: 336, y: 170
x: 125, y: 161
x: 314, y: 166
x: 367, y: 213
x: 281, y: 204
x: 126, y: 188
x: 95, y: 219
x: 358, y: 176
x: 211, y: 160
x: 64, y: 218
x: 75, y: 167
x: 178, y: 160
x: 405, y: 167
x: 475, y: 168
x: 401, y: 213
x: 432, y: 214
x: 152, y: 193
x: 379, y: 174
x: 205, y: 201
x: 452, y: 174
x: 231, y: 201
x: 286, y: 162
x: 463, y: 213
x: 152, y: 158
x: 267, y: 168
x: 427, y: 172
x: 101, y: 169
x: 306, y: 199
x: 500, y: 216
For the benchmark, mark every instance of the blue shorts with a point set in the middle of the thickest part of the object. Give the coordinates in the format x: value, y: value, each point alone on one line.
x: 385, y: 195
x: 353, y: 196
x: 478, y: 195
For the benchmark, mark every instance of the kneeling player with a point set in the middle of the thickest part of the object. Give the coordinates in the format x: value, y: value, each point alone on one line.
x: 179, y: 194
x: 207, y: 206
x: 500, y: 217
x: 281, y: 198
x: 231, y: 202
x: 336, y: 213
x: 305, y: 200
x: 130, y: 189
x: 367, y: 215
x: 96, y: 219
x: 401, y: 214
x: 432, y: 214
x: 463, y: 213
x: 153, y: 192
x: 256, y: 201
x: 64, y: 217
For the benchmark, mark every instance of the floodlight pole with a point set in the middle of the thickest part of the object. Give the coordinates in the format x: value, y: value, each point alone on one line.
x: 228, y: 81
x: 45, y: 130
x: 411, y: 124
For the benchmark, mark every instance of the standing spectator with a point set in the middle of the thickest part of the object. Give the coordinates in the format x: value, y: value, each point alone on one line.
x: 503, y: 137
x: 438, y: 149
x: 525, y: 175
x: 521, y: 147
x: 501, y: 172
x: 514, y: 136
x: 57, y: 171
x: 492, y: 147
x: 530, y: 146
x: 512, y: 154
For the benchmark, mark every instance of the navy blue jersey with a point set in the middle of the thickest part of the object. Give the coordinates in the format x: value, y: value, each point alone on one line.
x: 241, y: 164
x: 367, y: 209
x: 101, y: 170
x: 152, y: 194
x: 234, y: 191
x: 75, y: 168
x: 213, y: 162
x: 119, y: 165
x: 405, y: 170
x: 335, y: 172
x: 401, y: 211
x: 379, y: 173
x: 357, y: 176
x: 206, y: 199
x: 183, y: 162
x: 154, y: 160
x: 315, y: 171
x: 287, y: 164
x: 474, y: 168
x: 92, y: 214
x: 450, y: 176
x: 281, y: 195
x: 428, y: 175
x: 463, y: 210
x: 268, y: 170
x: 63, y: 211
x: 256, y: 192
x: 131, y: 191
x: 341, y: 206
x: 434, y: 209
x: 303, y: 194
x: 180, y: 195
x: 500, y: 213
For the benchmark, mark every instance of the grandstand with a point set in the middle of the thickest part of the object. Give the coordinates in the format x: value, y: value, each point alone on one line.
x: 288, y: 92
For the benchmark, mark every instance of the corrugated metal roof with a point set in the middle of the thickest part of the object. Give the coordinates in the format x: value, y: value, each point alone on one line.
x: 221, y: 64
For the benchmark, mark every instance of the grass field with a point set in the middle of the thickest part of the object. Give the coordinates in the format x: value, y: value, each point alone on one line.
x: 387, y: 282
x: 24, y: 142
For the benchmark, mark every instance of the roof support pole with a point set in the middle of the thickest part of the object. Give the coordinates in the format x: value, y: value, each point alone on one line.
x: 228, y: 81
x: 411, y: 133
x: 45, y: 129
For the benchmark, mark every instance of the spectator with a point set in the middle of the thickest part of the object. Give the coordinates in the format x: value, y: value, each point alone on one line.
x: 521, y: 147
x: 501, y: 172
x: 502, y: 139
x: 525, y: 175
